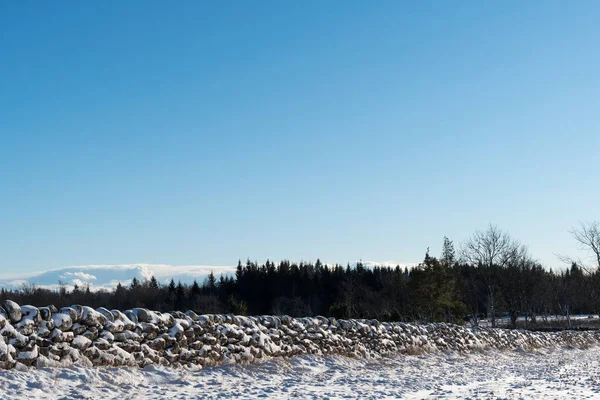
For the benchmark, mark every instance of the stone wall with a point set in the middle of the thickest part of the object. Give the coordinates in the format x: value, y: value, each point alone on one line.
x: 45, y: 336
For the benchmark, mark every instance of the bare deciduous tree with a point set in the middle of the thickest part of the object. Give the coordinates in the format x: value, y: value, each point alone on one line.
x: 491, y: 249
x: 588, y: 237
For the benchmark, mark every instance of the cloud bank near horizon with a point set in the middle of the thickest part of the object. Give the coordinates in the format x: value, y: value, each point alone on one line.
x: 107, y: 277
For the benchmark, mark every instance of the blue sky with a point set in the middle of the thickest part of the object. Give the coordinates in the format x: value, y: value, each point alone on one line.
x: 197, y: 132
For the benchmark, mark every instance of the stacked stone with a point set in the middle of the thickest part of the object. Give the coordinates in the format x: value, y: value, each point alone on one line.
x: 45, y: 336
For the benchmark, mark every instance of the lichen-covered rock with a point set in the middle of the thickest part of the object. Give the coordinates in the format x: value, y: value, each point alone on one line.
x: 13, y: 311
x: 166, y: 319
x: 17, y: 339
x: 102, y: 344
x: 32, y: 313
x: 127, y: 335
x: 29, y: 355
x: 81, y: 343
x: 26, y: 326
x: 144, y: 315
x: 128, y: 324
x: 60, y: 349
x: 192, y: 315
x: 130, y: 346
x: 71, y: 312
x: 57, y: 335
x: 108, y: 336
x: 158, y: 344
x: 4, y: 354
x: 110, y: 327
x: 7, y: 355
x: 45, y: 328
x: 42, y: 342
x: 91, y: 334
x: 107, y: 314
x: 78, y: 328
x: 63, y: 320
x: 149, y: 327
x: 131, y: 316
x: 46, y: 312
x: 91, y: 317
x: 176, y: 331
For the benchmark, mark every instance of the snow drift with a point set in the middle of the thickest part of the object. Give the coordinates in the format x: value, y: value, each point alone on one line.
x: 80, y: 335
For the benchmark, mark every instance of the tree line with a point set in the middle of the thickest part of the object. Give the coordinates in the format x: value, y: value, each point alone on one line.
x: 489, y: 275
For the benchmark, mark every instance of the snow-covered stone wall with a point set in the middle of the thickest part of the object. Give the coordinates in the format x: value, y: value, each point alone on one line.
x: 45, y: 336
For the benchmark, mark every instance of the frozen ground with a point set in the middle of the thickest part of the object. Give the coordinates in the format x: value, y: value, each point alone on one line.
x: 548, y: 374
x: 576, y: 319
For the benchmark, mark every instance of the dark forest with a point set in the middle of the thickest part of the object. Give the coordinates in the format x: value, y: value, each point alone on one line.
x: 491, y: 276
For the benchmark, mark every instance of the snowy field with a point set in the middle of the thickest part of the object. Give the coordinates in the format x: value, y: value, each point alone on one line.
x: 549, y: 320
x: 548, y: 374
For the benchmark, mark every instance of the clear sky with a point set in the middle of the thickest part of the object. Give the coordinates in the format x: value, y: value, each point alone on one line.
x: 204, y: 132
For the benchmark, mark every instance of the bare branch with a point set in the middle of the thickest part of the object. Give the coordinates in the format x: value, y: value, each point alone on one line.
x: 492, y: 247
x: 587, y: 236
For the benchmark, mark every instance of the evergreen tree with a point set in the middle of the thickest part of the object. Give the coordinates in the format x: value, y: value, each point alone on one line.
x: 211, y: 283
x: 180, y: 297
x: 448, y: 253
x: 135, y: 284
x: 195, y: 290
x: 153, y: 283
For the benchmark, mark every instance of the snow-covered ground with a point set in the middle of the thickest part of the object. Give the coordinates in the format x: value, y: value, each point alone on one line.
x: 549, y: 374
x: 505, y: 321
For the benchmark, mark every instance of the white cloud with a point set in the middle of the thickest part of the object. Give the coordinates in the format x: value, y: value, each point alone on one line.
x: 109, y: 276
x: 79, y: 275
x: 17, y: 283
x: 391, y: 264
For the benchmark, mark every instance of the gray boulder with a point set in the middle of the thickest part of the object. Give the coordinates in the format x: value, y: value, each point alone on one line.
x: 144, y: 315
x: 13, y: 311
x: 32, y: 313
x: 132, y: 316
x: 46, y: 312
x: 107, y: 314
x: 62, y: 321
x: 71, y: 312
x: 91, y: 317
